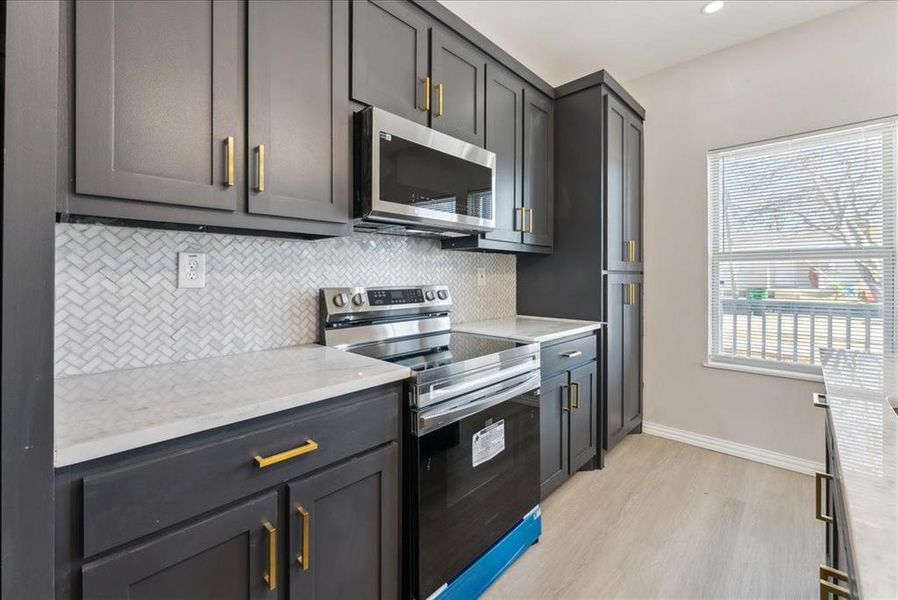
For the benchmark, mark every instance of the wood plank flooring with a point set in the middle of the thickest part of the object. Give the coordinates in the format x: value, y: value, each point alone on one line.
x: 667, y: 520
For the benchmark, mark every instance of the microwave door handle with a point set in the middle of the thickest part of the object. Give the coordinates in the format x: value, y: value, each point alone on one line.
x: 433, y: 420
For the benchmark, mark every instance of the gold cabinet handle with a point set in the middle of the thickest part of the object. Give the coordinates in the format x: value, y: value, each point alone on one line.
x: 576, y: 388
x: 818, y: 496
x: 426, y: 81
x: 271, y: 576
x: 229, y: 158
x: 628, y: 294
x: 303, y: 557
x: 522, y: 209
x: 630, y: 251
x: 827, y: 587
x: 260, y: 168
x: 819, y: 400
x: 530, y: 221
x: 267, y: 461
x: 439, y: 112
x: 567, y: 407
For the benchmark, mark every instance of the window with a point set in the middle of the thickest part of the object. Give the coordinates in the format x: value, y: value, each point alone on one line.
x: 802, y: 247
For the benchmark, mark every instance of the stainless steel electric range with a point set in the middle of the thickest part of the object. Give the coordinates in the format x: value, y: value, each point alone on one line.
x: 471, y: 433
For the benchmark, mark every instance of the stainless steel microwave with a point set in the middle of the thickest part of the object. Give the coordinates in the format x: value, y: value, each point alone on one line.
x: 410, y: 179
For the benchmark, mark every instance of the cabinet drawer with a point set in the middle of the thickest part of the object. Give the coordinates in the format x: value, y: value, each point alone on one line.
x: 566, y: 354
x: 124, y: 504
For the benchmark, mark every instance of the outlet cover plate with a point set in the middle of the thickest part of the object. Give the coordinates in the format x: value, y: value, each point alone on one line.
x: 191, y: 270
x: 481, y: 277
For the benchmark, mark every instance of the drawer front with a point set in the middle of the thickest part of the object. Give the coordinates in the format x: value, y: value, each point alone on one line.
x: 568, y: 353
x: 124, y: 504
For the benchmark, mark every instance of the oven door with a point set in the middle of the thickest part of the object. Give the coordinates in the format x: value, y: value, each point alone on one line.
x: 474, y: 478
x: 424, y: 177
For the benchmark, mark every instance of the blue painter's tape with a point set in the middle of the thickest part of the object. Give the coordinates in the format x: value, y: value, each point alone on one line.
x: 474, y: 580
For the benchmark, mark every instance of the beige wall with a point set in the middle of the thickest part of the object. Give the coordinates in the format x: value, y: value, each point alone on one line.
x: 837, y: 69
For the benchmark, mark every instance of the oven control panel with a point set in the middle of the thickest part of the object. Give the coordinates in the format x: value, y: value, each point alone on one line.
x: 395, y: 296
x: 353, y: 303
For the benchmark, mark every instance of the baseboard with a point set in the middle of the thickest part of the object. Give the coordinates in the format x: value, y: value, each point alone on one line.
x: 767, y: 457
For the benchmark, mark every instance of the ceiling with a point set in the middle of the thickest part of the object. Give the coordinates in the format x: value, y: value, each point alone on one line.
x: 565, y: 39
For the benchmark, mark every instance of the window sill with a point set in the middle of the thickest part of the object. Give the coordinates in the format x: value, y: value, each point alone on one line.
x: 770, y: 372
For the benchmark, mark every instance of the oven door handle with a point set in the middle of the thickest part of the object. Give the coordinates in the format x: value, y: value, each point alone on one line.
x: 493, y: 374
x: 437, y: 419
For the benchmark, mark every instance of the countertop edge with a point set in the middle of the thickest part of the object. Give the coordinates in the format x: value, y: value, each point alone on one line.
x: 577, y: 327
x: 125, y: 442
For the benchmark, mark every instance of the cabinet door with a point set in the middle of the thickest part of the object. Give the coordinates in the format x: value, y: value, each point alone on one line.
x: 583, y: 416
x: 299, y: 109
x: 623, y: 381
x: 553, y: 433
x: 456, y: 71
x: 623, y: 187
x: 504, y: 132
x: 158, y: 91
x: 345, y: 530
x: 539, y: 150
x: 389, y: 57
x: 227, y: 556
x: 632, y: 358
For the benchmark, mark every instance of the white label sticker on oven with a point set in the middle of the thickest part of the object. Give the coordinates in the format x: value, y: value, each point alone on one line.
x: 488, y: 442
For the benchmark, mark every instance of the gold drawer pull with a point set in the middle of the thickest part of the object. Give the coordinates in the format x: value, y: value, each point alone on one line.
x: 576, y: 388
x: 260, y: 168
x: 572, y: 354
x: 267, y: 461
x: 819, y: 400
x: 271, y: 577
x: 439, y: 112
x: 303, y: 558
x: 426, y: 81
x: 818, y: 496
x: 827, y: 588
x: 229, y: 156
x: 523, y: 212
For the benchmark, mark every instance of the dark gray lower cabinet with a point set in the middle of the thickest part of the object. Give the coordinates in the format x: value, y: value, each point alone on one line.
x: 583, y: 422
x: 234, y: 513
x: 553, y: 433
x: 346, y: 524
x: 568, y: 410
x: 223, y: 557
x: 623, y: 351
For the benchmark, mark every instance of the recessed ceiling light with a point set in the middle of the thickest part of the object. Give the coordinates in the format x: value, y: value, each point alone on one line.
x: 712, y: 7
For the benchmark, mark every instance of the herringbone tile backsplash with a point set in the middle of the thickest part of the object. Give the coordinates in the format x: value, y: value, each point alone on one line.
x: 118, y: 305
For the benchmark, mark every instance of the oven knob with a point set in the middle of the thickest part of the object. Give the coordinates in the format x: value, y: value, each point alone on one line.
x: 443, y: 294
x: 429, y: 295
x: 358, y: 300
x: 341, y: 299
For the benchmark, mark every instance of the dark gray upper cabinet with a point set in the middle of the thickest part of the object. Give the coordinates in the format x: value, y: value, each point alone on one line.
x: 298, y: 109
x: 624, y: 357
x: 553, y: 433
x: 345, y: 524
x: 539, y: 145
x: 504, y: 136
x: 226, y: 556
x: 457, y: 101
x: 157, y: 95
x: 583, y: 415
x: 623, y: 156
x: 389, y: 57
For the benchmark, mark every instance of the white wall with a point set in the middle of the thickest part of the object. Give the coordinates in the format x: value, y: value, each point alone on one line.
x: 837, y: 69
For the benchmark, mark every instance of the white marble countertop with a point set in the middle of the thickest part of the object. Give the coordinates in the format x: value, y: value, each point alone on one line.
x: 859, y: 388
x: 528, y: 329
x: 106, y: 413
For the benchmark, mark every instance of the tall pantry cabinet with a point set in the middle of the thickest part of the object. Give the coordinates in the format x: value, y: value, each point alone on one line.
x: 595, y: 272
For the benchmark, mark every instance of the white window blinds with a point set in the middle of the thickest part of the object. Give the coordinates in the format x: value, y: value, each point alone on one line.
x: 802, y: 247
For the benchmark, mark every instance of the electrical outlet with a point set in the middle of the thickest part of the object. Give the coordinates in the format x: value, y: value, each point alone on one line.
x: 191, y: 270
x: 481, y: 277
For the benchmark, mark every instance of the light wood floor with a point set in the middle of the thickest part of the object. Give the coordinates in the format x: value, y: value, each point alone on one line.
x: 667, y: 520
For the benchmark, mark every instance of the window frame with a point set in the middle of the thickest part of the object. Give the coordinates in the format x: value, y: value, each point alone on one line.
x: 778, y: 368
